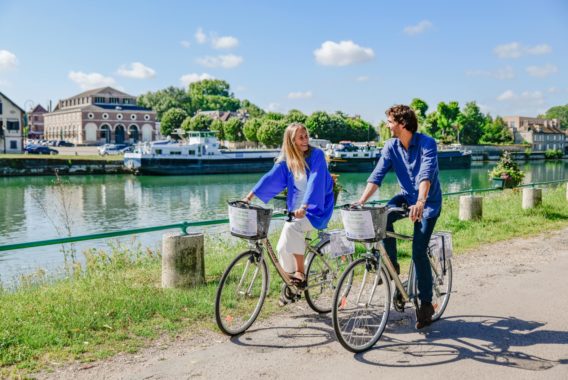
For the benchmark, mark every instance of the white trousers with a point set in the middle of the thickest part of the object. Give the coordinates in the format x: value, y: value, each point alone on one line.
x: 292, y: 241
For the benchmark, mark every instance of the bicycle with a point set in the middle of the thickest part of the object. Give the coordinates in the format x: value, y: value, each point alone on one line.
x: 362, y: 298
x: 244, y: 284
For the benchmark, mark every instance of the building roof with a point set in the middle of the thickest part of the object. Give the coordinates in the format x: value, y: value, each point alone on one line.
x: 39, y: 109
x: 102, y: 91
x: 11, y: 101
x: 122, y: 107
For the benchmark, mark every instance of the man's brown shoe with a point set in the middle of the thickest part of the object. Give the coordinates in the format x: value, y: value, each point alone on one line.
x: 424, y: 315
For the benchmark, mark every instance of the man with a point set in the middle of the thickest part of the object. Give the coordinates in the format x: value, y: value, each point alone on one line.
x: 414, y: 158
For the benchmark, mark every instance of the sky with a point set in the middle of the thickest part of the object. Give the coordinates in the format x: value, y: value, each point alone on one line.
x: 358, y: 57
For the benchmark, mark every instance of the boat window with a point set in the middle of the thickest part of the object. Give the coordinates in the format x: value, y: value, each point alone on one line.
x: 343, y: 156
x: 158, y: 151
x: 355, y: 155
x: 191, y: 152
x: 175, y: 153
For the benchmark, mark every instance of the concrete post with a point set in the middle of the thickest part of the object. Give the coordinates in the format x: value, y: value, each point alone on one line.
x: 471, y: 207
x: 183, y: 263
x: 531, y: 197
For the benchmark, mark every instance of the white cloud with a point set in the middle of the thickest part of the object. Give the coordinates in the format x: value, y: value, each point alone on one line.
x: 507, y: 95
x: 419, y: 28
x: 225, y: 61
x: 136, y: 70
x: 542, y: 71
x: 300, y: 95
x: 525, y: 97
x: 517, y: 50
x: 200, y: 36
x: 343, y: 53
x: 92, y: 80
x: 194, y: 77
x: 553, y: 90
x: 501, y: 74
x: 224, y: 42
x: 185, y: 44
x: 240, y: 88
x: 362, y: 78
x: 8, y: 60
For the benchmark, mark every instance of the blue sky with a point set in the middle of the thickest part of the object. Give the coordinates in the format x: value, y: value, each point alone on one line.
x: 360, y: 57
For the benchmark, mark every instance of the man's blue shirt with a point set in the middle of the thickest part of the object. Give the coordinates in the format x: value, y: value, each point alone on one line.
x: 417, y: 164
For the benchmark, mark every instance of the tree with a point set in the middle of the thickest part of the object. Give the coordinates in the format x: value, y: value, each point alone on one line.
x: 496, y: 132
x: 251, y: 128
x: 186, y: 124
x: 447, y: 117
x: 296, y: 116
x: 201, y: 123
x: 233, y: 129
x: 271, y: 132
x: 172, y: 120
x: 163, y: 100
x: 560, y: 113
x: 470, y: 124
x: 431, y: 126
x: 420, y: 107
x: 212, y: 94
x: 384, y: 132
x: 210, y: 87
x: 274, y: 116
x: 218, y: 126
x: 319, y: 125
x: 252, y: 109
x: 360, y: 130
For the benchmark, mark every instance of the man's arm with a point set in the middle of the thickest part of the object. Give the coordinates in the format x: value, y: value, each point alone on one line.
x: 369, y: 191
x: 417, y: 210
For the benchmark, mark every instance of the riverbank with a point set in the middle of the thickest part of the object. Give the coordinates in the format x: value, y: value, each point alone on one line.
x: 114, y: 303
x: 12, y: 165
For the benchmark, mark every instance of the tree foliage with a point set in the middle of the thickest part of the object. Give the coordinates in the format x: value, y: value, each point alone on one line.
x: 560, y: 113
x: 218, y: 126
x: 296, y: 116
x: 496, y: 132
x: 163, y: 100
x: 250, y: 129
x: 271, y: 132
x: 172, y: 120
x: 201, y: 123
x: 233, y: 129
x: 470, y: 123
x: 252, y: 109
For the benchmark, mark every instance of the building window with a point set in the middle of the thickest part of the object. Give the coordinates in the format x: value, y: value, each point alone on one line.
x: 119, y: 116
x: 114, y: 100
x: 13, y: 144
x: 146, y: 117
x: 133, y: 117
x: 105, y: 116
x: 0, y: 108
x: 126, y: 101
x: 13, y: 125
x: 100, y: 99
x: 91, y: 115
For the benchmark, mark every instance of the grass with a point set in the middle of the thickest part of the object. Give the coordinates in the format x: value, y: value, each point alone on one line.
x: 114, y: 302
x: 65, y: 157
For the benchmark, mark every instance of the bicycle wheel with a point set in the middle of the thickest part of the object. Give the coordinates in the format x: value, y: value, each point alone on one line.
x: 361, y: 305
x: 322, y: 274
x: 441, y: 285
x: 241, y: 293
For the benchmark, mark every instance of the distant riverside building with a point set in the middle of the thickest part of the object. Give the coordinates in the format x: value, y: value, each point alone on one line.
x: 11, y: 126
x: 36, y: 122
x: 542, y: 134
x: 225, y: 115
x: 103, y: 115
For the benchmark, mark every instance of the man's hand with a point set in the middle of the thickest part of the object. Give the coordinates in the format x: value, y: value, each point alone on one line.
x: 416, y: 211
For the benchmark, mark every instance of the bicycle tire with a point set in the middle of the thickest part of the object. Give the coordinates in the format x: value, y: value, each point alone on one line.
x: 441, y: 287
x: 235, y: 309
x: 349, y: 312
x: 319, y: 298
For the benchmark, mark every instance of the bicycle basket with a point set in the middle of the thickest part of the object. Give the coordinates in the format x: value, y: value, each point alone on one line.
x: 248, y: 221
x: 365, y: 224
x: 441, y: 245
x: 338, y: 244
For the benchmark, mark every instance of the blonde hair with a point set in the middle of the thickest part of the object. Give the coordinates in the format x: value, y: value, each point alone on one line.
x: 290, y: 153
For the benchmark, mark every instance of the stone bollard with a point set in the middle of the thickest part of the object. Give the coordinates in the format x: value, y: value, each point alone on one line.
x: 470, y: 207
x: 531, y: 197
x: 183, y: 263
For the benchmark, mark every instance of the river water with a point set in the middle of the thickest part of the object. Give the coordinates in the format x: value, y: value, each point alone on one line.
x: 31, y: 208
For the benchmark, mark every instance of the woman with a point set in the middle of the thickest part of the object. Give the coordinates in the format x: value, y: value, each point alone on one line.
x: 301, y: 169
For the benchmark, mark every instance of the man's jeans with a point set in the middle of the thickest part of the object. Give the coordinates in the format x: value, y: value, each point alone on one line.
x: 422, y: 233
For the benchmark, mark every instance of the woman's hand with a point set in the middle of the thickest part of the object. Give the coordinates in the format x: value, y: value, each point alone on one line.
x: 300, y: 213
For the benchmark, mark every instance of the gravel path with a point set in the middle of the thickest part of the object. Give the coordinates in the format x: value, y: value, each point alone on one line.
x: 506, y: 319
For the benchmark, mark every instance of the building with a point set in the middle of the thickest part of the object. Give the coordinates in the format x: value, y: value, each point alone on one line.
x: 36, y: 122
x: 225, y: 115
x: 11, y: 126
x: 103, y: 115
x: 542, y: 134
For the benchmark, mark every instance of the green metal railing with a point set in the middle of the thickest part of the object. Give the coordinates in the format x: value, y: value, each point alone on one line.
x: 185, y: 225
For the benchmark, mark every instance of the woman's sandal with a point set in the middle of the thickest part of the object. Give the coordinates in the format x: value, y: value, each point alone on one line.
x: 297, y: 280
